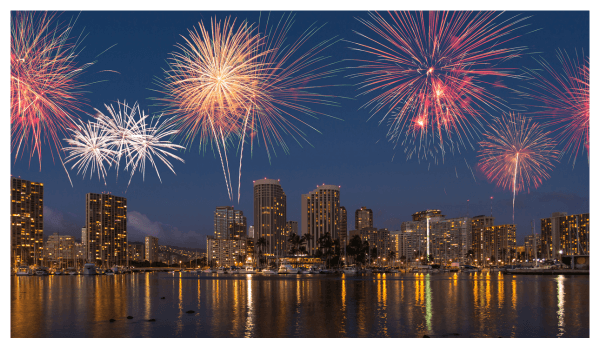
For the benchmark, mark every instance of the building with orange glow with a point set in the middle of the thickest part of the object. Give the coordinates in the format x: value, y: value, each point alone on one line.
x: 106, y: 223
x: 270, y: 207
x: 26, y: 221
x: 320, y: 214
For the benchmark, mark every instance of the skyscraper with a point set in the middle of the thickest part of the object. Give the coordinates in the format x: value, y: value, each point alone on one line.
x: 343, y: 227
x: 106, y: 223
x: 229, y: 223
x: 27, y: 221
x: 363, y: 218
x: 569, y: 233
x: 320, y: 214
x: 151, y: 249
x: 84, y: 238
x: 270, y: 216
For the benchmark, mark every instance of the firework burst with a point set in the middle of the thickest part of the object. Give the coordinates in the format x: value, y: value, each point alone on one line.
x: 517, y: 154
x: 565, y: 98
x: 430, y: 75
x: 44, y: 87
x: 232, y: 83
x: 123, y: 134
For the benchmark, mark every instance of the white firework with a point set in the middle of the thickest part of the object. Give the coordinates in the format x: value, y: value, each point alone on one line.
x: 89, y: 148
x: 148, y: 143
x: 122, y: 133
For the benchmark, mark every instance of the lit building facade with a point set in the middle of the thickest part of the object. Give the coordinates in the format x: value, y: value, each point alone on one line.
x: 422, y: 215
x: 569, y: 233
x: 343, y: 228
x: 270, y: 207
x: 137, y: 252
x: 151, y: 249
x: 229, y: 223
x: 378, y: 239
x: 59, y: 251
x: 363, y: 218
x: 320, y: 214
x: 226, y: 252
x: 529, y: 246
x: 106, y: 223
x: 291, y: 227
x: 251, y: 231
x: 493, y: 243
x: 27, y: 222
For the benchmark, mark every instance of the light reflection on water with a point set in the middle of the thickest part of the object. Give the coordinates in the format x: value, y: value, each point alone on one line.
x: 292, y: 306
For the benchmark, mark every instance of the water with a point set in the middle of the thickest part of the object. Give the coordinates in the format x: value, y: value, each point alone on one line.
x: 382, y: 305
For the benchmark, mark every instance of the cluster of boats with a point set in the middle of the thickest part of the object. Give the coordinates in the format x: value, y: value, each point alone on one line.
x: 88, y: 269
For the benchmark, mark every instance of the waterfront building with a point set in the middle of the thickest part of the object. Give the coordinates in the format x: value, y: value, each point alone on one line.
x: 320, y: 214
x: 251, y: 231
x: 529, y: 245
x: 226, y: 252
x: 84, y: 237
x: 291, y: 227
x: 106, y: 223
x: 26, y: 221
x: 343, y: 227
x: 229, y: 223
x: 79, y: 254
x: 59, y: 251
x: 151, y: 249
x: 569, y: 233
x: 137, y: 252
x: 492, y: 243
x: 363, y: 218
x: 378, y: 239
x: 270, y: 216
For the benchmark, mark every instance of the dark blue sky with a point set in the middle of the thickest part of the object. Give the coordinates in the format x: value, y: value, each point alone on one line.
x: 351, y: 152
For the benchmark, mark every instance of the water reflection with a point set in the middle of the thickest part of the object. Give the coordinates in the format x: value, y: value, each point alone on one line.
x: 299, y: 306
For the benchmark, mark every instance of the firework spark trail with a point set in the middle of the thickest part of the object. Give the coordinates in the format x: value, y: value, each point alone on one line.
x: 516, y: 154
x: 565, y: 101
x: 430, y: 75
x: 44, y: 87
x: 232, y: 82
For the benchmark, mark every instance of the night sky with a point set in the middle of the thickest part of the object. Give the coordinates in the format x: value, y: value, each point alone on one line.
x: 349, y: 150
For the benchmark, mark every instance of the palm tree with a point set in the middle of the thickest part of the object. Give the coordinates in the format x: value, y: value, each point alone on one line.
x: 261, y: 243
x: 325, y: 245
x: 306, y: 239
x: 391, y: 257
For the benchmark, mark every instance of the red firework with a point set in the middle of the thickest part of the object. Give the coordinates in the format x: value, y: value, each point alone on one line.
x: 43, y: 82
x: 565, y: 98
x: 430, y: 73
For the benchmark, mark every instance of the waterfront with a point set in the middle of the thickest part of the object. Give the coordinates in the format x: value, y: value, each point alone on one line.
x: 476, y: 305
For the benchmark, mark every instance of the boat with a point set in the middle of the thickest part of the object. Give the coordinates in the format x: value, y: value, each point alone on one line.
x: 247, y: 270
x: 222, y: 270
x: 23, y: 270
x: 325, y: 271
x: 286, y: 268
x: 469, y: 269
x: 269, y: 272
x: 89, y: 269
x: 116, y: 269
x: 41, y: 271
x: 109, y: 272
x: 350, y: 270
x: 310, y: 270
x: 209, y: 270
x: 71, y: 271
x: 58, y: 273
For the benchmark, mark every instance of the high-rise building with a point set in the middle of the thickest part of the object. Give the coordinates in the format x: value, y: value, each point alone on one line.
x: 151, y: 249
x: 251, y: 231
x: 229, y: 223
x: 379, y: 241
x: 492, y: 243
x: 27, y: 222
x: 529, y: 247
x: 84, y: 237
x: 137, y: 252
x: 343, y: 228
x: 270, y: 209
x: 320, y: 214
x: 106, y: 223
x: 226, y: 252
x: 59, y: 251
x: 422, y: 215
x: 569, y: 233
x: 363, y: 218
x: 291, y: 227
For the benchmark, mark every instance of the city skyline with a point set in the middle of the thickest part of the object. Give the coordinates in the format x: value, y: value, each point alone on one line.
x: 393, y: 189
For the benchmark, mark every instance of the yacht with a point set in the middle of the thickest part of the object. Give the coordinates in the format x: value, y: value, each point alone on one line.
x: 23, y: 270
x: 222, y: 270
x: 209, y: 270
x: 58, y: 272
x: 350, y: 270
x: 41, y: 271
x: 310, y: 270
x: 247, y: 270
x: 269, y: 272
x: 286, y: 268
x: 109, y: 272
x: 71, y: 271
x: 116, y: 269
x: 89, y: 269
